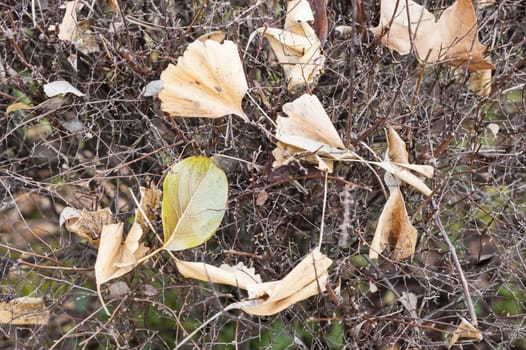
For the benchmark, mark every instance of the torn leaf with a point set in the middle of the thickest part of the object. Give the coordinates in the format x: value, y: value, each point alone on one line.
x: 208, y: 81
x: 86, y: 224
x: 296, y: 46
x: 308, y: 129
x: 406, y: 25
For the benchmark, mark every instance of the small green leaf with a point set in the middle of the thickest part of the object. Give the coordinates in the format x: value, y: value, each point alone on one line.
x: 194, y: 202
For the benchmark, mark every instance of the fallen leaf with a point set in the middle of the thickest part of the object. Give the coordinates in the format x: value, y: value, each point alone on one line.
x: 217, y: 35
x: 308, y: 278
x: 296, y: 46
x: 24, y: 311
x: 465, y: 330
x: 394, y: 226
x: 480, y: 4
x: 152, y: 88
x: 61, y: 87
x: 150, y: 200
x: 86, y: 224
x: 308, y: 129
x: 237, y: 276
x: 208, y: 81
x: 453, y: 38
x: 75, y: 32
x: 480, y: 82
x: 194, y: 201
x: 261, y: 198
x: 397, y: 163
x: 16, y: 107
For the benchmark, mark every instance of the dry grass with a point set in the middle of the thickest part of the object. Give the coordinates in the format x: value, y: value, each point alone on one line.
x: 123, y: 140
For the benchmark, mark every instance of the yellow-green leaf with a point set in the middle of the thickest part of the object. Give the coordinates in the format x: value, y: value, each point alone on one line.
x: 194, y: 202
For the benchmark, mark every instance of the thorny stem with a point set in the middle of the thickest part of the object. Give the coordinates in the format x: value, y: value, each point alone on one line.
x: 454, y: 255
x: 322, y: 225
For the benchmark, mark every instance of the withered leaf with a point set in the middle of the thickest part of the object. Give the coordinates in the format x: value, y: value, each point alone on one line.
x: 296, y: 46
x: 308, y: 278
x: 24, y: 311
x: 308, y: 129
x: 208, y: 81
x: 465, y: 330
x: 453, y: 38
x: 87, y: 224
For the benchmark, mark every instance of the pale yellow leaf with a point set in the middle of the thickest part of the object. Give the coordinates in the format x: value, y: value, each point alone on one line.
x: 16, y: 107
x: 24, y: 311
x: 308, y: 278
x: 238, y: 276
x: 208, y: 81
x: 308, y: 129
x: 465, y: 330
x: 296, y: 46
x: 394, y: 227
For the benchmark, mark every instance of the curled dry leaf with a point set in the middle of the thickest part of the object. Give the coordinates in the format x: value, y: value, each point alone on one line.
x: 308, y: 129
x: 208, y: 81
x: 116, y: 258
x: 78, y: 33
x: 61, y: 87
x: 394, y: 227
x: 150, y: 200
x: 397, y: 163
x: 86, y: 224
x: 465, y: 330
x: 296, y: 46
x: 308, y: 278
x: 24, y: 311
x: 453, y: 38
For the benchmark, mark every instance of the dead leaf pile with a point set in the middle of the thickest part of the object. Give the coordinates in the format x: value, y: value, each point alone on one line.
x: 405, y: 25
x: 208, y: 81
x: 306, y: 279
x: 296, y: 46
x: 75, y: 32
x: 394, y: 226
x: 308, y: 134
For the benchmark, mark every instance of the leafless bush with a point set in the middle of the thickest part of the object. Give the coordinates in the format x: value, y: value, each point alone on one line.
x: 91, y: 152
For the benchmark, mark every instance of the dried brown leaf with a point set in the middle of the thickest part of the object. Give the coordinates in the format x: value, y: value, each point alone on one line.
x: 88, y: 224
x: 308, y: 129
x: 465, y: 330
x: 394, y: 227
x: 75, y: 32
x: 24, y: 311
x: 453, y: 38
x: 308, y: 278
x: 297, y: 46
x: 480, y: 82
x: 208, y: 81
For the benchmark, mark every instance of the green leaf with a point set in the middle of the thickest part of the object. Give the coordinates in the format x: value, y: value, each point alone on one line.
x: 194, y: 201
